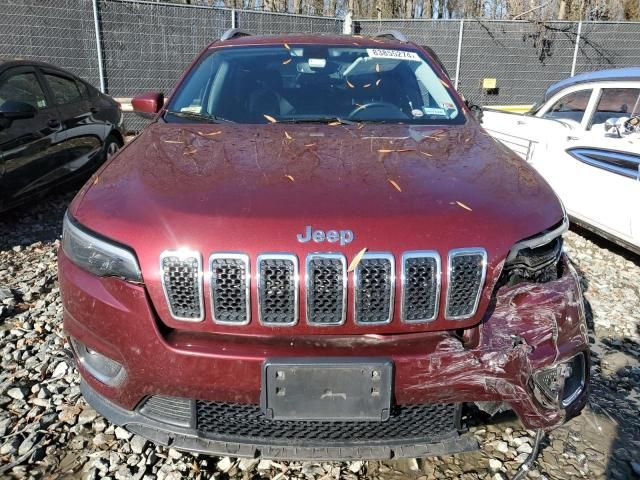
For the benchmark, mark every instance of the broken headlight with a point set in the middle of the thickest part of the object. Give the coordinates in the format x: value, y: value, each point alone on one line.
x: 97, y: 255
x: 535, y: 259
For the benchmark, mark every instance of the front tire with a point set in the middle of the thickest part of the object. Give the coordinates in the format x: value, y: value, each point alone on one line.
x: 111, y: 146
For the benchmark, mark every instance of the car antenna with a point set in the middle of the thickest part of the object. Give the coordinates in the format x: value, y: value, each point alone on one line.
x: 393, y: 35
x: 235, y: 33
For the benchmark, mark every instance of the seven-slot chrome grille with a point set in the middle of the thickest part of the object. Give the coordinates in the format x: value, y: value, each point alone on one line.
x: 466, y: 270
x: 421, y: 286
x: 181, y: 273
x: 373, y: 285
x: 229, y: 286
x: 278, y: 289
x: 326, y: 286
x: 277, y: 282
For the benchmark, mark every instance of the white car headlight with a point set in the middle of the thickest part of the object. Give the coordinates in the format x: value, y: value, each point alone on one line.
x: 97, y: 255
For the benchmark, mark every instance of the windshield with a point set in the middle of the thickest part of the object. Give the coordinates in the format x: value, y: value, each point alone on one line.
x: 309, y: 83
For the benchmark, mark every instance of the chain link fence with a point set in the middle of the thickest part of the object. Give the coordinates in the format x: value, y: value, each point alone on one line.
x: 274, y: 23
x: 608, y: 45
x: 146, y: 45
x: 524, y: 57
x: 441, y: 35
x: 56, y: 31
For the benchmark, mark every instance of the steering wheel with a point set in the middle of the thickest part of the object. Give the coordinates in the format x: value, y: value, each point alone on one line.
x: 370, y: 105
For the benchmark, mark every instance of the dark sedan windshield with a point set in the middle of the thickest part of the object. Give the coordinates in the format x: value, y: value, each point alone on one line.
x: 313, y: 83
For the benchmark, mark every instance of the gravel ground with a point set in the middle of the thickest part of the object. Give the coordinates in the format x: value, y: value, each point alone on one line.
x: 48, y: 431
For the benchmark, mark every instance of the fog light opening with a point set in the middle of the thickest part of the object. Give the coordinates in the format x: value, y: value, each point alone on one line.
x: 103, y: 368
x: 574, y: 381
x: 562, y: 384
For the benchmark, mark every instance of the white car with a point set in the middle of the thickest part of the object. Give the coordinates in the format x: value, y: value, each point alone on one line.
x: 584, y: 140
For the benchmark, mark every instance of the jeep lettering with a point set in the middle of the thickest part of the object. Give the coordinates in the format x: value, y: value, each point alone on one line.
x: 332, y: 236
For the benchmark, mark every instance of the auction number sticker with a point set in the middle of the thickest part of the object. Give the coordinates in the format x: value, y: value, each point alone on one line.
x: 435, y: 111
x: 393, y: 54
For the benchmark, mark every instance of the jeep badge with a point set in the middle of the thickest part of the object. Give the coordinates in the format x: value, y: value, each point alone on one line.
x: 331, y: 236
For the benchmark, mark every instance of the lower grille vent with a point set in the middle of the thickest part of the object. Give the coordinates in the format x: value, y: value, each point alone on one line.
x: 435, y: 421
x: 173, y: 410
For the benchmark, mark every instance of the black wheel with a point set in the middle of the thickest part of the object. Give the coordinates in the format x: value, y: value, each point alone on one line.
x: 111, y: 146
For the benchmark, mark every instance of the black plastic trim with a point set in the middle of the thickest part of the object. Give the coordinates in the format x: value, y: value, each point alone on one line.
x: 189, y: 440
x: 620, y: 163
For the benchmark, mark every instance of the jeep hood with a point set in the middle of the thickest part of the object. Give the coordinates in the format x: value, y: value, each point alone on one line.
x: 253, y: 188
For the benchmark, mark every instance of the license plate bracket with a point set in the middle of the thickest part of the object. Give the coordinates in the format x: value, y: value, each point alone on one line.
x: 327, y: 389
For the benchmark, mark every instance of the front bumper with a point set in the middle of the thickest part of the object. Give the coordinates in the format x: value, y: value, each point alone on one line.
x: 530, y: 327
x: 189, y: 438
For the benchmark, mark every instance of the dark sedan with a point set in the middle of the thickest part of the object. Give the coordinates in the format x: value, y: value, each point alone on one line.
x: 54, y: 128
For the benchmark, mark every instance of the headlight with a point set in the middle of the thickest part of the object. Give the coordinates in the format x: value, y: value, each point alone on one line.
x: 535, y: 259
x: 97, y: 255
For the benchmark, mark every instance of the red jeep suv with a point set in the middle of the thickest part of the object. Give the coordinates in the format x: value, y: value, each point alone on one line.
x: 314, y: 251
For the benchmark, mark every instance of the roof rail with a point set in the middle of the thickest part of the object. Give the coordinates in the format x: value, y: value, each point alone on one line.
x: 392, y: 34
x: 234, y: 33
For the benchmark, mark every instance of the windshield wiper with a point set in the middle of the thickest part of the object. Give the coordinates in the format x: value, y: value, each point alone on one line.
x: 342, y: 121
x: 203, y: 117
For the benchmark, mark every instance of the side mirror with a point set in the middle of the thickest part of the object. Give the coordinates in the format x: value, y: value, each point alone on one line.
x: 610, y: 124
x: 476, y: 110
x: 14, y: 110
x: 614, y: 126
x: 148, y: 104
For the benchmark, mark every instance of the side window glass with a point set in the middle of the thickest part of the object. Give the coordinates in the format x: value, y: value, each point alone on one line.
x: 64, y: 89
x: 23, y: 87
x: 615, y: 103
x: 570, y: 107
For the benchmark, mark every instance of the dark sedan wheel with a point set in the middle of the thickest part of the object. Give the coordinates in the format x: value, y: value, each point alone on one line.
x: 111, y: 146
